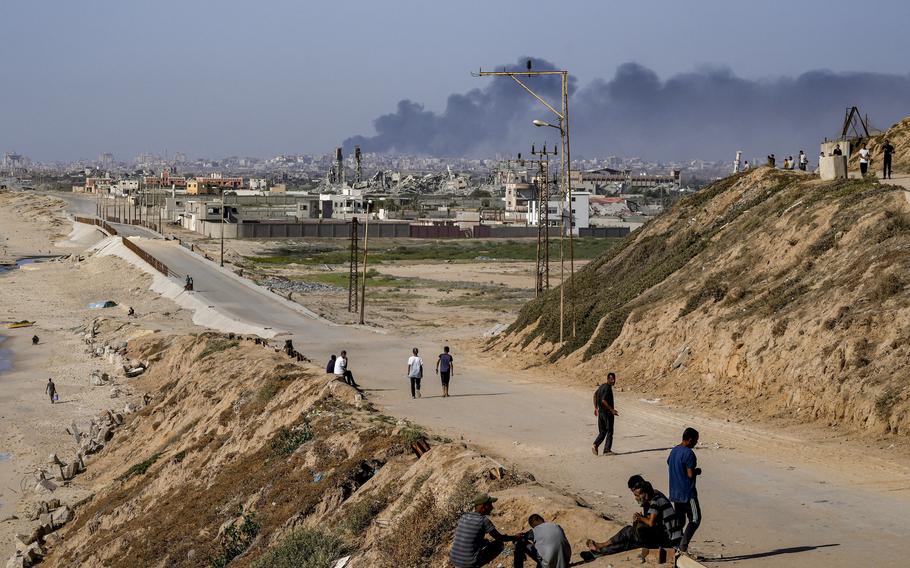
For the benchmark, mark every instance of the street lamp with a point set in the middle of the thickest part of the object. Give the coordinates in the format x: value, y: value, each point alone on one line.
x: 565, y: 164
x: 366, y: 241
x: 222, y: 226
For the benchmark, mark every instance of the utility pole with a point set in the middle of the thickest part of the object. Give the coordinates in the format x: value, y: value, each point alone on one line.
x: 222, y: 227
x: 366, y: 240
x: 543, y: 216
x: 353, y: 274
x: 565, y: 166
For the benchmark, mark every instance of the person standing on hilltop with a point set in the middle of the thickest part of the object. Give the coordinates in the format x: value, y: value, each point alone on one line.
x: 887, y: 150
x: 803, y: 160
x: 683, y: 468
x: 771, y: 160
x: 50, y: 389
x: 863, y: 161
x: 415, y: 373
x: 604, y: 411
x: 445, y: 367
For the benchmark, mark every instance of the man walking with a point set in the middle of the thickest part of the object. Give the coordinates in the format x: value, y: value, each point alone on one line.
x: 341, y: 370
x: 604, y: 411
x: 51, y: 389
x: 415, y: 373
x: 445, y: 367
x: 887, y: 150
x: 470, y: 548
x: 684, y: 469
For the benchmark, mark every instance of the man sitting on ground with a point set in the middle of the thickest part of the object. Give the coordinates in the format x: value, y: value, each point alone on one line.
x: 341, y: 370
x: 545, y: 543
x: 470, y: 548
x: 658, y: 527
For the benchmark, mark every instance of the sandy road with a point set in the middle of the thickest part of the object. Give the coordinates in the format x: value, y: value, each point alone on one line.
x: 769, y: 499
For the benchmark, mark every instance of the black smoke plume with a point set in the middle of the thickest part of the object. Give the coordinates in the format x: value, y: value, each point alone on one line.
x: 708, y: 113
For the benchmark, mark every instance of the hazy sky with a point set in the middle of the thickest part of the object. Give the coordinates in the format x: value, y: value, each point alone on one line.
x: 261, y: 78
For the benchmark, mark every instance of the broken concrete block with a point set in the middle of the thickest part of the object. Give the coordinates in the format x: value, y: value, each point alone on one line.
x: 105, y: 435
x: 45, y: 486
x: 96, y: 380
x: 44, y: 518
x: 130, y: 408
x: 60, y: 472
x: 118, y: 419
x: 80, y: 459
x: 52, y: 504
x: 53, y: 459
x: 70, y: 470
x: 33, y: 554
x: 16, y: 561
x: 61, y: 515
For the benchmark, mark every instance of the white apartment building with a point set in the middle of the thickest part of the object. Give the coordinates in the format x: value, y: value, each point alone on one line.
x: 580, y: 211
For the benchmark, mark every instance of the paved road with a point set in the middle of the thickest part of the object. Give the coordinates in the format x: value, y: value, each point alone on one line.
x: 772, y: 499
x: 82, y: 205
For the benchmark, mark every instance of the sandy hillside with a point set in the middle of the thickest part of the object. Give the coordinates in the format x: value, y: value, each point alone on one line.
x: 238, y: 435
x: 768, y: 293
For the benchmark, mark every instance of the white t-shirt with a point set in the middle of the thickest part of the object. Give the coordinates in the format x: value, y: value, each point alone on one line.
x: 864, y: 156
x: 341, y: 365
x: 415, y: 367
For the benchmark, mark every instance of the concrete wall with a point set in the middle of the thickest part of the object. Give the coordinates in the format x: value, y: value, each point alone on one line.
x: 832, y: 167
x: 299, y: 230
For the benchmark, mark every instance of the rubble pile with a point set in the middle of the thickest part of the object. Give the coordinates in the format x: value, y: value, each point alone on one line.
x: 283, y: 286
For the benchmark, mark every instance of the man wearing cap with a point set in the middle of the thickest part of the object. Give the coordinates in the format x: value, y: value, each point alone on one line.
x: 470, y: 548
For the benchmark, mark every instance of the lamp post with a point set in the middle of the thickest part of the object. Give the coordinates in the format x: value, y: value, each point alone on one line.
x: 366, y: 241
x: 566, y: 164
x: 222, y: 226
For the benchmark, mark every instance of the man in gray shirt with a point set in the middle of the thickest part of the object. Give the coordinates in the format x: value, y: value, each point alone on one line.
x: 545, y: 543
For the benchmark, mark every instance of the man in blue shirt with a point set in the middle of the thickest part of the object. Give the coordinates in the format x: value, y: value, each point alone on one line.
x: 684, y: 470
x: 445, y: 368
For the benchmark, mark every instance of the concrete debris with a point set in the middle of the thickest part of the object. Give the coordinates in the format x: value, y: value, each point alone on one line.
x: 130, y: 408
x: 115, y: 392
x: 45, y: 486
x: 54, y: 460
x: 61, y: 515
x: 134, y: 371
x: 283, y: 286
x: 98, y: 379
x: 16, y: 561
x: 70, y: 471
x: 495, y: 330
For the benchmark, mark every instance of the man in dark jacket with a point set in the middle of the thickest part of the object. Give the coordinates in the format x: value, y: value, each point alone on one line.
x: 604, y: 411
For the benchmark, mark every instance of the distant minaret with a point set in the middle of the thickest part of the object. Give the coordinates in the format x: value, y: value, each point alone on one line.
x: 358, y: 160
x: 339, y: 166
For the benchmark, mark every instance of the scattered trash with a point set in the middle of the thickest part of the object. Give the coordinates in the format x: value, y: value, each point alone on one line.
x: 17, y: 324
x: 318, y: 477
x: 103, y: 304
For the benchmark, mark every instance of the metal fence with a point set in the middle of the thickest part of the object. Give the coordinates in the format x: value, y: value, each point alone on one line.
x: 98, y: 223
x: 154, y: 262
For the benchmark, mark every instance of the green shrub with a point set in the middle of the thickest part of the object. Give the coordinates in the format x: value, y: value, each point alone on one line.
x: 306, y: 548
x: 236, y: 540
x: 289, y: 439
x: 140, y: 468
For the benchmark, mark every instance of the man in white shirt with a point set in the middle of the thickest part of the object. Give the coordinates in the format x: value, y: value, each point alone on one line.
x: 803, y: 160
x: 341, y: 370
x: 863, y: 161
x: 415, y: 373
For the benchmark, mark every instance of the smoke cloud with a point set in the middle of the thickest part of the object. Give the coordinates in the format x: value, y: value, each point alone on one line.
x: 708, y: 113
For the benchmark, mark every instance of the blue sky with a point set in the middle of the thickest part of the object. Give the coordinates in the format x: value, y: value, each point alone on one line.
x: 260, y: 78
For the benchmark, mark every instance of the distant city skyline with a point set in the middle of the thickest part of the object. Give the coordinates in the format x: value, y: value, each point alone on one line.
x: 666, y: 80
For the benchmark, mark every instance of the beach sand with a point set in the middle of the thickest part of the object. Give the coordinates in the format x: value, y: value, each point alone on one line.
x: 55, y: 294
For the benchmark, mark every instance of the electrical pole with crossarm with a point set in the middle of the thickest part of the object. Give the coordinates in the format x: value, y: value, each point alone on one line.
x: 565, y: 166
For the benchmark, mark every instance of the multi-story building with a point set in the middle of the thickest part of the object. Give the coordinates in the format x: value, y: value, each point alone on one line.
x: 212, y: 185
x: 556, y: 209
x: 165, y: 181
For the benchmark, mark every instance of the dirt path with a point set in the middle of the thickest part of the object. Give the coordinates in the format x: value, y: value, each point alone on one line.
x: 769, y: 498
